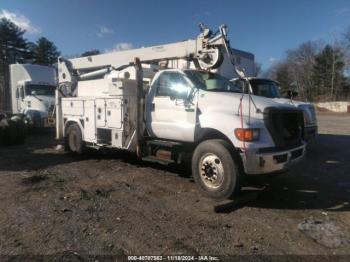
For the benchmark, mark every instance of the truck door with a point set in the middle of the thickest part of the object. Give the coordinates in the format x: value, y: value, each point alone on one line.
x: 170, y: 114
x: 19, y: 98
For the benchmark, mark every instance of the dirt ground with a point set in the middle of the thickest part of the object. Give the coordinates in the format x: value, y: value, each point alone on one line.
x: 52, y: 202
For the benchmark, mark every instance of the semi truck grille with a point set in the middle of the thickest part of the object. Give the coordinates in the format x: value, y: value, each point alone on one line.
x: 286, y: 126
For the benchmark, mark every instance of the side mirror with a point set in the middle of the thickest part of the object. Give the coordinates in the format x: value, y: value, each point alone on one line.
x: 291, y: 94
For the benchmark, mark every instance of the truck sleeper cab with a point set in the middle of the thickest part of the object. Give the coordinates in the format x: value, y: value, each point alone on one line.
x: 188, y: 112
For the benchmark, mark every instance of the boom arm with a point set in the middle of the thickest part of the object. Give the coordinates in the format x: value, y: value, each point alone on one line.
x: 206, y: 51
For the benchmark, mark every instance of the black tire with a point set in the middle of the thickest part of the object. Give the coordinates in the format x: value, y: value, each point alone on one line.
x: 10, y: 133
x: 221, y: 157
x: 2, y: 131
x: 21, y: 132
x: 74, y: 140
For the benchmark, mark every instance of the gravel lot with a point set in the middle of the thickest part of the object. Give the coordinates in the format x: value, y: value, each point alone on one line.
x: 54, y: 203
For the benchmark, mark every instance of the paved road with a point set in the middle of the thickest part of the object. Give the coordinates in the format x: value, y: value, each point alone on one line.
x: 334, y: 124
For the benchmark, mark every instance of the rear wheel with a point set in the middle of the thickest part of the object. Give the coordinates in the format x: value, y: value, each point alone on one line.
x: 21, y: 131
x: 74, y: 140
x: 10, y: 133
x: 2, y: 132
x: 214, y: 169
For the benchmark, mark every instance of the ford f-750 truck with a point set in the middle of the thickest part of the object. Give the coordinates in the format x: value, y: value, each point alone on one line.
x: 101, y: 102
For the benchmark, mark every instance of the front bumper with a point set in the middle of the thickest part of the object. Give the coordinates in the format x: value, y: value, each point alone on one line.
x: 47, y: 122
x: 264, y: 161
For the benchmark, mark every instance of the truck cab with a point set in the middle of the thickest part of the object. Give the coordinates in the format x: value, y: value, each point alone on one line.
x: 189, y: 105
x: 271, y: 89
x: 33, y: 93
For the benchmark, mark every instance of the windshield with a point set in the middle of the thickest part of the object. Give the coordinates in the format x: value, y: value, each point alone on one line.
x: 266, y: 88
x: 211, y: 82
x: 40, y: 90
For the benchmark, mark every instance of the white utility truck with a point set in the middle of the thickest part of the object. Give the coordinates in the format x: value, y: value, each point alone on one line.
x: 33, y: 93
x: 125, y: 100
x: 271, y: 89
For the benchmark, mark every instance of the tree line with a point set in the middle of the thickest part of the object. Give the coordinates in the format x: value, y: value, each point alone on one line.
x: 318, y: 71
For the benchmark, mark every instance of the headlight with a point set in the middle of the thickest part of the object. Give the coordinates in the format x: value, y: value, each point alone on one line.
x: 247, y: 134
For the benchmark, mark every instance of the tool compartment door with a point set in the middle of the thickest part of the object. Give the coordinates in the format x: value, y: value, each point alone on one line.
x: 114, y: 112
x: 72, y: 107
x: 89, y: 120
x: 100, y: 112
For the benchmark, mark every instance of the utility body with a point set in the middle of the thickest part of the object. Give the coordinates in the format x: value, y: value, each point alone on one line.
x: 130, y: 100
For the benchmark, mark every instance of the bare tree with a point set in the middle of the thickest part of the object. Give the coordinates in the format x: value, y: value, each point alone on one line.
x: 345, y: 46
x: 300, y: 63
x: 257, y: 69
x: 316, y: 69
x: 296, y: 69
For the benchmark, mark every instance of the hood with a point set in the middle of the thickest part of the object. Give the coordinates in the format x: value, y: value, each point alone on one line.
x: 230, y: 103
x: 288, y: 101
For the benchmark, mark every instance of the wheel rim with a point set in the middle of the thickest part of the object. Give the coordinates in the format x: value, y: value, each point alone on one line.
x: 211, y: 170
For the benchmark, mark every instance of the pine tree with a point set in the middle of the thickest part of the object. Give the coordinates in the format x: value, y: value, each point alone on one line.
x: 13, y: 49
x: 44, y: 52
x: 328, y: 73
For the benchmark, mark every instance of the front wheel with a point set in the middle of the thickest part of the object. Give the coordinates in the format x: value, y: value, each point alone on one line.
x: 74, y: 139
x: 214, y: 169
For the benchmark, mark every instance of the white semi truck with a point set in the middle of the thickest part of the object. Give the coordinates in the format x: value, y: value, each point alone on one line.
x: 125, y: 100
x: 33, y: 93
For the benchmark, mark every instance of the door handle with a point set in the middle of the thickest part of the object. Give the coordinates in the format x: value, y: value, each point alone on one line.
x: 153, y: 107
x: 189, y: 109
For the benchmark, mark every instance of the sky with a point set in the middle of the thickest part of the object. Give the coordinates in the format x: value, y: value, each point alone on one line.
x: 265, y: 28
